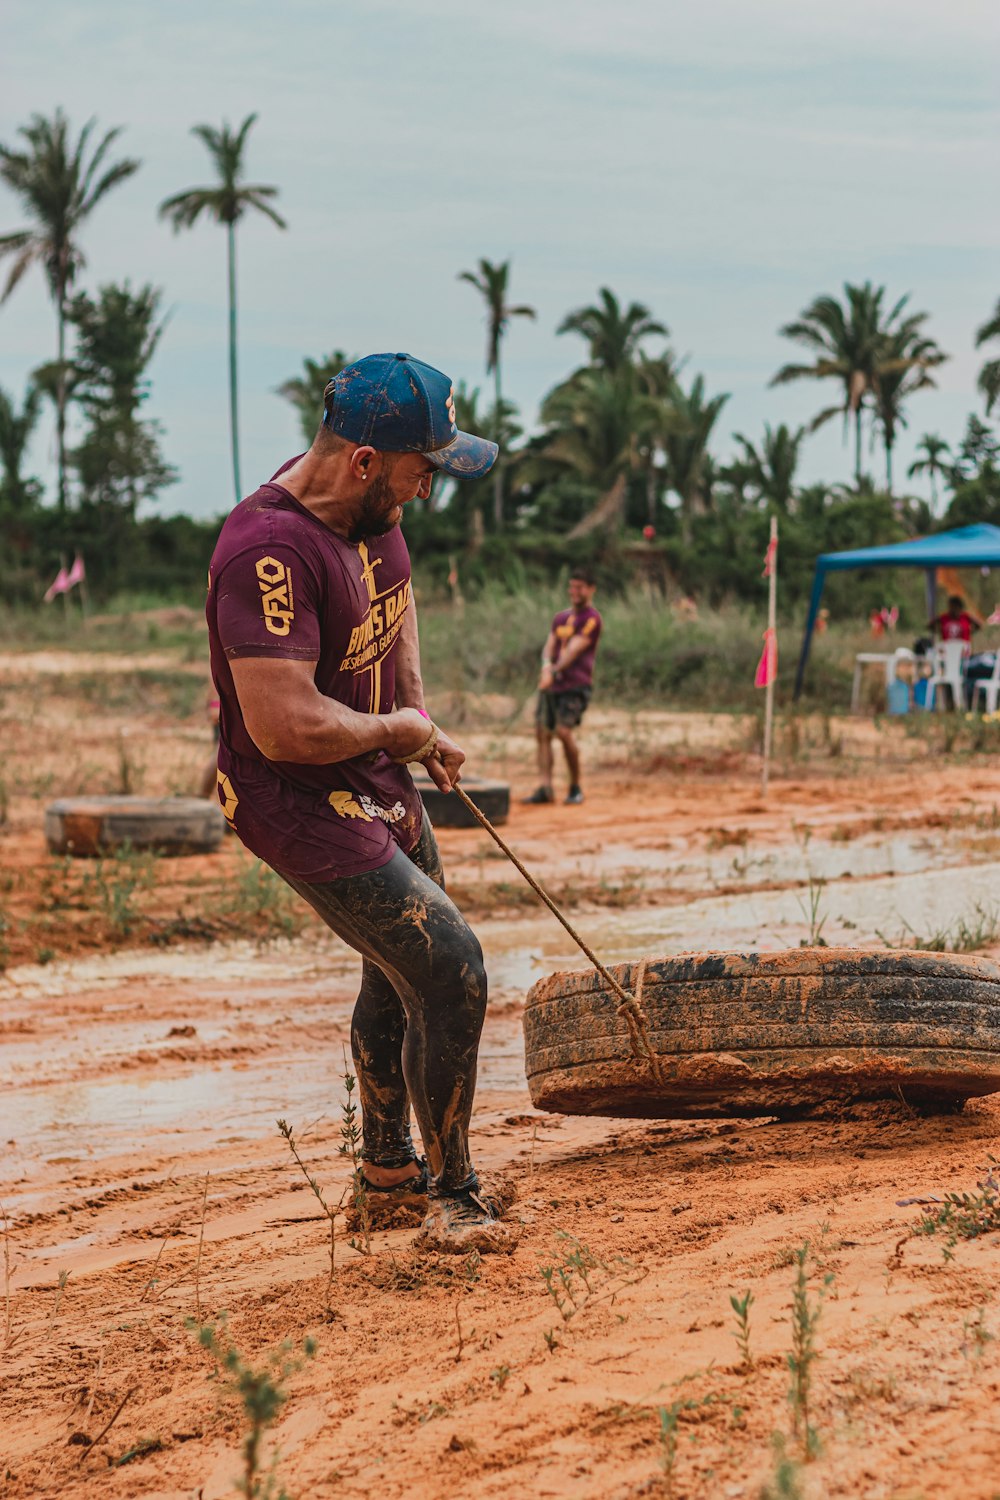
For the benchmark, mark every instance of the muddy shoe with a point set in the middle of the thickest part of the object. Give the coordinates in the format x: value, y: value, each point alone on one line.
x: 468, y: 1220
x: 397, y: 1207
x: 540, y: 795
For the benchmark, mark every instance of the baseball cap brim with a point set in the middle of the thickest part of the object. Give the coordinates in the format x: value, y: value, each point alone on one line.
x: 465, y: 457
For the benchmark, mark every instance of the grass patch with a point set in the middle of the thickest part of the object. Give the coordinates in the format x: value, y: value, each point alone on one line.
x: 964, y: 935
x: 648, y: 654
x: 261, y: 904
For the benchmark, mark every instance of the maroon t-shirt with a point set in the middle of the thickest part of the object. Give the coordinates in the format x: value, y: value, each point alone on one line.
x: 281, y: 584
x: 567, y: 624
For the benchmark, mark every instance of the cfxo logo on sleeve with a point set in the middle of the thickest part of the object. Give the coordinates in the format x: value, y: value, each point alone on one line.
x: 227, y: 797
x: 275, y: 581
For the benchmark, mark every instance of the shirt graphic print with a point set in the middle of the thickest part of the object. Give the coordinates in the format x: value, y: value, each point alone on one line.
x: 283, y: 585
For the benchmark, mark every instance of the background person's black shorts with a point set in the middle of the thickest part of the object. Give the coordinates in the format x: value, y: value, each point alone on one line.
x: 561, y: 710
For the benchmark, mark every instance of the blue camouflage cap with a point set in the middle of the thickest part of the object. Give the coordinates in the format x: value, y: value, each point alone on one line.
x: 397, y: 404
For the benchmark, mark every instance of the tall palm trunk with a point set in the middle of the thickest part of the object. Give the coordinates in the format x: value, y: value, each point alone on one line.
x: 608, y: 511
x: 234, y: 431
x: 61, y: 397
x: 497, y: 476
x: 888, y: 466
x: 857, y: 445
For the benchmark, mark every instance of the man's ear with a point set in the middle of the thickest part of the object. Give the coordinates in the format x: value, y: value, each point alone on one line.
x: 362, y: 463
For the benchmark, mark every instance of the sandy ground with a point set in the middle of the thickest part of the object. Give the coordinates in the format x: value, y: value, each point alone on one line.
x: 141, y: 1062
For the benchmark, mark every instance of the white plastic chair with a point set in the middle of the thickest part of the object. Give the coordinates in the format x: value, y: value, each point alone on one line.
x: 948, y: 658
x: 989, y: 687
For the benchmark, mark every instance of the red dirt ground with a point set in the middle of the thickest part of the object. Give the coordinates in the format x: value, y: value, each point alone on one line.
x: 134, y: 1069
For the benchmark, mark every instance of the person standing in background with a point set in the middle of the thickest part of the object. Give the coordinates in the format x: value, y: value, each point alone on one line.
x: 565, y: 685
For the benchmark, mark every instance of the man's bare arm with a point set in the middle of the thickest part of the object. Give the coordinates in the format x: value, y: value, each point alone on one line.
x: 573, y: 648
x: 289, y: 719
x: 545, y: 676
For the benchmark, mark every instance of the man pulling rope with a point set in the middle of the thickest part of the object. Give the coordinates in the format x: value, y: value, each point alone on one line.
x: 316, y: 660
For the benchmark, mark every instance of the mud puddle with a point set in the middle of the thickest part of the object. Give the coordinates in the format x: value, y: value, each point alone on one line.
x: 192, y: 1045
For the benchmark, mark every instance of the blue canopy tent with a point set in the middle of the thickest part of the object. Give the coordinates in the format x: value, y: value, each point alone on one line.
x: 967, y: 547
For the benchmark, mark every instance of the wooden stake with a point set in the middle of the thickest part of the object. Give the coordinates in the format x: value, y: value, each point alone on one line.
x: 772, y: 602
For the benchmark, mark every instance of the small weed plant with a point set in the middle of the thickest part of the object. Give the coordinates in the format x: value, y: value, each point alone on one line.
x: 350, y: 1146
x: 976, y: 1338
x: 10, y: 1333
x: 785, y: 1482
x: 965, y: 1216
x: 261, y: 1393
x: 806, y: 1312
x: 288, y: 1135
x: 811, y: 907
x: 741, y: 1307
x: 580, y: 1276
x: 670, y: 1418
x: 115, y: 884
x: 262, y: 905
x: 965, y: 935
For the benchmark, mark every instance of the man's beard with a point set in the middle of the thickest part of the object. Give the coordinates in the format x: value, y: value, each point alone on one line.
x: 377, y: 505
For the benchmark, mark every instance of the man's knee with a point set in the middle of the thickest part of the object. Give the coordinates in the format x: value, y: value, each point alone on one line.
x: 458, y: 972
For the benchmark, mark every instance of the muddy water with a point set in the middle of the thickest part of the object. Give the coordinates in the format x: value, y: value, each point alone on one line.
x: 174, y: 1050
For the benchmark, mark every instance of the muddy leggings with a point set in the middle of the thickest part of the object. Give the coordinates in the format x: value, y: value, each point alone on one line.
x: 419, y: 1014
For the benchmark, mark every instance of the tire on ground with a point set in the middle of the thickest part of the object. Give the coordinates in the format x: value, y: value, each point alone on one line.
x: 446, y: 811
x: 98, y: 825
x: 747, y: 1034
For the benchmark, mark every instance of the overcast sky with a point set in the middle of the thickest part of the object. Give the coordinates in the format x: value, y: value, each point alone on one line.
x: 723, y: 163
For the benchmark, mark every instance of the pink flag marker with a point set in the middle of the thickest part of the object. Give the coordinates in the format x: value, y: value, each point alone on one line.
x: 76, y: 573
x: 59, y: 585
x: 767, y: 667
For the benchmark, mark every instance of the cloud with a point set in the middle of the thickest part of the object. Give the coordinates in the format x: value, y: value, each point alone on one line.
x: 722, y: 162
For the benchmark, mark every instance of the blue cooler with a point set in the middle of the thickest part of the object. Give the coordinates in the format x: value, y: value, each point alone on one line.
x: 897, y: 696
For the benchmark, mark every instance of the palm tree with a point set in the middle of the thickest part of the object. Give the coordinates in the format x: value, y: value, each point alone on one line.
x: 902, y: 368
x: 593, y: 419
x: 989, y: 375
x: 933, y: 449
x: 118, y: 459
x: 491, y: 283
x: 614, y: 335
x: 226, y: 203
x: 848, y: 342
x: 657, y: 378
x: 770, y: 469
x: 306, y: 391
x: 59, y: 188
x: 16, y: 427
x: 686, y: 447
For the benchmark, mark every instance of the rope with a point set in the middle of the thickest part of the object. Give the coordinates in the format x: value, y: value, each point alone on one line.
x: 630, y: 1006
x: 424, y: 753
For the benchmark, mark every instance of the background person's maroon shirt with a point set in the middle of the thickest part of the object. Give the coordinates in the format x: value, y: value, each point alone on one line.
x: 281, y: 584
x: 567, y: 624
x: 956, y: 627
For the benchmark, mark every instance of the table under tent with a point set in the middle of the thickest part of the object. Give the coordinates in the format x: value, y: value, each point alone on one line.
x: 975, y: 546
